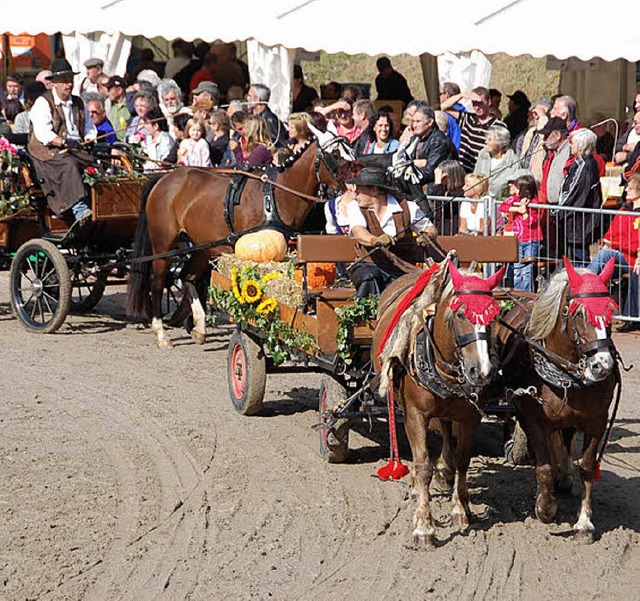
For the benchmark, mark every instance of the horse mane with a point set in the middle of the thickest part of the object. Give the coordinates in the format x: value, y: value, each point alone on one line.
x: 399, y: 344
x: 546, y: 308
x: 289, y: 161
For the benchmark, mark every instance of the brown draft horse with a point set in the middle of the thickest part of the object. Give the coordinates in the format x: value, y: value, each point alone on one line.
x: 439, y: 359
x: 190, y: 201
x: 567, y: 382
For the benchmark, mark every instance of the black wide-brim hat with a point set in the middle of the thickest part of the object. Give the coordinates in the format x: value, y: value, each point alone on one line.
x: 61, y: 67
x: 371, y: 176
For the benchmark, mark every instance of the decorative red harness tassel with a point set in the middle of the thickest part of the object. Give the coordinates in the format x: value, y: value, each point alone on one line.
x: 598, y: 475
x: 394, y: 469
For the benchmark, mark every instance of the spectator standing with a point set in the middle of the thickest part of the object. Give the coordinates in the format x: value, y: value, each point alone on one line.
x: 380, y: 136
x: 155, y: 140
x: 207, y: 72
x: 518, y: 118
x: 93, y: 68
x: 448, y: 180
x: 194, y: 149
x: 15, y: 87
x: 630, y: 138
x: 448, y: 89
x: 580, y: 188
x: 473, y: 126
x: 32, y: 92
x: 532, y: 152
x: 391, y: 85
x: 302, y: 94
x: 118, y: 115
x: 258, y: 98
x: 475, y: 186
x: 344, y: 121
x: 181, y: 58
x: 363, y: 112
x: 497, y: 161
x: 495, y: 98
x: 220, y: 128
x: 556, y: 142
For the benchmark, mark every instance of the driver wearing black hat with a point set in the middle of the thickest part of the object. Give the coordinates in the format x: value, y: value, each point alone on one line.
x: 59, y: 121
x: 377, y: 218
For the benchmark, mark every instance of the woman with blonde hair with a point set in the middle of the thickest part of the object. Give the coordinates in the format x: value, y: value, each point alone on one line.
x: 256, y: 147
x: 299, y: 133
x: 476, y: 186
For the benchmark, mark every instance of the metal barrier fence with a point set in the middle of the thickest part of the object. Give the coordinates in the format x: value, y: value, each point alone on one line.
x: 566, y: 231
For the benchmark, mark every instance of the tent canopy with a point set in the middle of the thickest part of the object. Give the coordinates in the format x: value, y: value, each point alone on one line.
x: 511, y: 26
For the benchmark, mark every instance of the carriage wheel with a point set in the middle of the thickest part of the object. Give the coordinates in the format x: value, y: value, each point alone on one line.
x: 246, y: 373
x: 87, y: 288
x: 40, y: 287
x: 174, y: 309
x: 334, y: 441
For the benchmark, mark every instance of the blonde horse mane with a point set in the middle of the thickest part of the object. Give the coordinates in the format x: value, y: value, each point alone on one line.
x: 546, y: 309
x: 399, y: 345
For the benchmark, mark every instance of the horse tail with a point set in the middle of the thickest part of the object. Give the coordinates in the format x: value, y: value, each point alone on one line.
x: 138, y: 287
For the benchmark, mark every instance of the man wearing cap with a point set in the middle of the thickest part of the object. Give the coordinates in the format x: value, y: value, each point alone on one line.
x: 94, y: 71
x: 377, y: 218
x: 118, y: 115
x: 206, y: 90
x: 59, y: 121
x: 517, y: 120
x: 556, y: 143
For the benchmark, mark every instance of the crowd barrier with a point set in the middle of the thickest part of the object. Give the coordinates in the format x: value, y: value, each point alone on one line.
x: 567, y: 231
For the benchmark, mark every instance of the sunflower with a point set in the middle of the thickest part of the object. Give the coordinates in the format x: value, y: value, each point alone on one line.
x: 234, y: 286
x: 268, y: 305
x: 251, y: 291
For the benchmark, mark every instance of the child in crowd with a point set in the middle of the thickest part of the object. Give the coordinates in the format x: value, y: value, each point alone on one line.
x: 194, y: 149
x: 476, y: 186
x: 525, y: 227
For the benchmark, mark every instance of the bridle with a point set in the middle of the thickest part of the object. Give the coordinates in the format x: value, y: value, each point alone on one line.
x: 586, y: 348
x: 325, y: 156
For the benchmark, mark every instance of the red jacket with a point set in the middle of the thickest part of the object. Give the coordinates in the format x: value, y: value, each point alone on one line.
x: 624, y: 235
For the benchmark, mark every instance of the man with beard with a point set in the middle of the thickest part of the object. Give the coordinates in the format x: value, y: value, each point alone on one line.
x: 170, y: 101
x: 59, y: 121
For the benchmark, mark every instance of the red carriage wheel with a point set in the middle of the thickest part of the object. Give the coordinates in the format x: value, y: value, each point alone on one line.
x: 246, y: 373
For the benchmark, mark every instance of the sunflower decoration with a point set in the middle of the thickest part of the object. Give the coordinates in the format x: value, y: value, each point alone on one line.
x: 267, y: 306
x: 235, y: 288
x: 251, y: 291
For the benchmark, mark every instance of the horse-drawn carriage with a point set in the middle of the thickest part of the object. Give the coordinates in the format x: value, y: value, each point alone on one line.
x: 51, y: 271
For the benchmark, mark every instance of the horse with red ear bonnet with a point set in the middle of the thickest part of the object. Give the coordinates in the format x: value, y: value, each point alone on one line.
x: 433, y: 346
x: 572, y: 365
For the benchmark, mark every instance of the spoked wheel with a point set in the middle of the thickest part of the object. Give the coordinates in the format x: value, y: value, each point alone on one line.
x: 87, y: 287
x: 334, y: 440
x: 246, y: 373
x: 40, y: 287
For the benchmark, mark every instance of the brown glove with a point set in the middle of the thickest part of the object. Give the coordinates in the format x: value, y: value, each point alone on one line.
x: 424, y: 240
x: 385, y: 240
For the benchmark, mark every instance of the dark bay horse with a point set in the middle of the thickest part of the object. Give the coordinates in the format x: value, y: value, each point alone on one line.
x: 190, y: 201
x: 567, y: 380
x: 439, y: 358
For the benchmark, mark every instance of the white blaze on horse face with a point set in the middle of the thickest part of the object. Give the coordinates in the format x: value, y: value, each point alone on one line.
x: 599, y: 366
x: 482, y: 348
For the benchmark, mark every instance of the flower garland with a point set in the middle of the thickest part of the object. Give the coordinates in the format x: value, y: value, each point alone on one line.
x: 247, y: 301
x: 362, y: 310
x: 11, y: 200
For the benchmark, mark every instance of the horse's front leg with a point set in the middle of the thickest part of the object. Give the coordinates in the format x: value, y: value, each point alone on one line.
x: 445, y: 471
x: 584, y: 528
x: 415, y: 425
x: 159, y: 272
x: 546, y: 504
x: 462, y: 457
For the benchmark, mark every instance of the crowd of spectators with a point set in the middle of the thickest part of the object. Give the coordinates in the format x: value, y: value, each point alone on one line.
x: 201, y: 109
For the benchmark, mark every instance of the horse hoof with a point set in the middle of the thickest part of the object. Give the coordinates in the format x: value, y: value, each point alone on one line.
x: 583, y: 537
x: 198, y: 337
x: 460, y: 521
x: 165, y: 343
x: 546, y: 514
x: 423, y: 539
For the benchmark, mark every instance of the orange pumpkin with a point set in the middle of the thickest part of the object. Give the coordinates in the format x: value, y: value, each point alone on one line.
x: 319, y: 275
x: 262, y: 246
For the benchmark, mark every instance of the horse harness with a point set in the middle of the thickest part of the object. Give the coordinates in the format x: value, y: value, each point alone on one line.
x: 427, y: 355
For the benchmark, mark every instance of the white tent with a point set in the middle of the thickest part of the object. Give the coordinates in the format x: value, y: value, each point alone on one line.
x: 516, y: 27
x: 534, y: 27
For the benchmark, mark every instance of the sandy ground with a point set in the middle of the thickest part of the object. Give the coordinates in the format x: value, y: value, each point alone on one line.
x: 127, y: 475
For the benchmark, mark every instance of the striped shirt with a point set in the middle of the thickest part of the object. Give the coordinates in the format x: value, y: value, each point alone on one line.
x: 473, y: 136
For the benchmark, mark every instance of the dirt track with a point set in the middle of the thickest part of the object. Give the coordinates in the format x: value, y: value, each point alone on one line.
x: 126, y: 474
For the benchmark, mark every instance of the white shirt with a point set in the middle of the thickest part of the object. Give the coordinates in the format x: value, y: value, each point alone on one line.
x: 419, y: 222
x: 472, y: 219
x: 42, y: 120
x: 158, y: 150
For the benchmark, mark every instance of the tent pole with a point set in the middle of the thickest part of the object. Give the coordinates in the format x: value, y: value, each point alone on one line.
x: 429, y: 64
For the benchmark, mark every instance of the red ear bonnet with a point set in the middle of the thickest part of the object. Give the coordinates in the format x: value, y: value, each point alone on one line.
x: 474, y: 294
x: 591, y: 293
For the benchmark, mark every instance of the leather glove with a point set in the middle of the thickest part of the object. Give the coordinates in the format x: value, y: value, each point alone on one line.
x: 423, y: 240
x: 72, y: 144
x: 385, y: 240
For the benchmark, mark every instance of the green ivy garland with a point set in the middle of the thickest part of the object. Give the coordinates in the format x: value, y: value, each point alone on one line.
x: 362, y: 309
